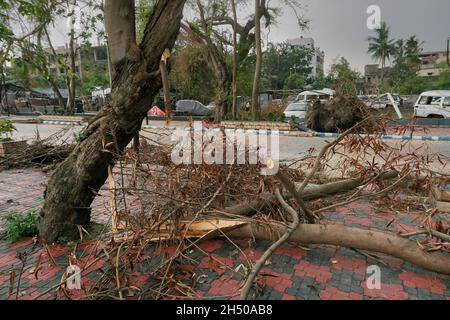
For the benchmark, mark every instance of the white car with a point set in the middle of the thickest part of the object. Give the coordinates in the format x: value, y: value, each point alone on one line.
x: 297, y: 110
x: 433, y: 104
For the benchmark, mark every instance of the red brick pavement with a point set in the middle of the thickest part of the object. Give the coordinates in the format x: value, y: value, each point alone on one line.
x: 317, y: 272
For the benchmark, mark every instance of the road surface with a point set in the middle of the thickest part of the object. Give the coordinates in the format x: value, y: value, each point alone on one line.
x: 289, y: 146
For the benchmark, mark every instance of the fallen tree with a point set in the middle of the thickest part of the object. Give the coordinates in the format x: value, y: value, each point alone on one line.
x: 370, y: 240
x: 337, y: 115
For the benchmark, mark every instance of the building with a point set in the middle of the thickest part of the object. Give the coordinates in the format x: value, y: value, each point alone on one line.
x: 374, y: 76
x: 431, y: 62
x: 318, y: 58
x: 430, y: 66
x: 21, y: 100
x: 84, y: 55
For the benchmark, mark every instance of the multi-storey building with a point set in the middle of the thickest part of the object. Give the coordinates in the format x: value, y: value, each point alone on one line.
x: 318, y: 57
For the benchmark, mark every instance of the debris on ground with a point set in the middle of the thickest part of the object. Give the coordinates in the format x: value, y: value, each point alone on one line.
x: 43, y: 153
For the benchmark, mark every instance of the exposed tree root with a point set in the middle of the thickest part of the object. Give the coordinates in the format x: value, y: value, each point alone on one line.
x: 368, y: 240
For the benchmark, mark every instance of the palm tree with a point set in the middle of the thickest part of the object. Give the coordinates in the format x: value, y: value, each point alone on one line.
x: 381, y: 47
x: 412, y: 50
x: 399, y: 50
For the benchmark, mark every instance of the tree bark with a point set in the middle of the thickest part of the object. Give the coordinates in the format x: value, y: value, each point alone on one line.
x: 258, y: 51
x: 165, y: 82
x: 75, y: 183
x: 235, y: 61
x: 51, y: 81
x: 70, y: 78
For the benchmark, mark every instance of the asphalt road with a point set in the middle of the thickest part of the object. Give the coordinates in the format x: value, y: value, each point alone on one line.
x: 290, y: 147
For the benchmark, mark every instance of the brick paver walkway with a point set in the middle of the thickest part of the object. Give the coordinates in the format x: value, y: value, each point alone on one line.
x: 316, y: 272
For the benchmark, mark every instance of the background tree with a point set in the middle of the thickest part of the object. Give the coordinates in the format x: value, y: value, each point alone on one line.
x: 443, y: 81
x: 190, y: 76
x: 212, y: 28
x: 381, y: 46
x: 294, y: 81
x: 413, y: 48
x: 258, y: 53
x: 282, y: 60
x: 344, y: 79
x: 19, y: 21
x: 322, y: 82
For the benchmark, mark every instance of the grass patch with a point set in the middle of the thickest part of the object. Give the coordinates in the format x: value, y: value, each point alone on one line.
x: 93, y: 231
x: 20, y: 225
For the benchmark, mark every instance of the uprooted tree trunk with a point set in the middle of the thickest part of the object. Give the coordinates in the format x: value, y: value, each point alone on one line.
x: 75, y: 183
x: 369, y: 240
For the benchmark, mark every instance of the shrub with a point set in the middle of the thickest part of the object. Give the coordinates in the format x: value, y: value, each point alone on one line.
x: 6, y: 130
x: 20, y: 225
x: 271, y: 117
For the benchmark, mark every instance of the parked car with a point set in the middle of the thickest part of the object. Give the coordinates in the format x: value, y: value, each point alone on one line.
x: 192, y: 108
x: 297, y: 110
x: 433, y: 104
x: 382, y: 101
x: 304, y: 100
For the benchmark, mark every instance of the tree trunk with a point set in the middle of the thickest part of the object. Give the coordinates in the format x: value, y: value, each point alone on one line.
x: 235, y: 66
x: 75, y: 183
x: 258, y: 50
x: 72, y: 74
x: 57, y: 92
x: 165, y: 83
x: 51, y: 81
x: 369, y: 240
x: 223, y: 93
x: 4, y: 96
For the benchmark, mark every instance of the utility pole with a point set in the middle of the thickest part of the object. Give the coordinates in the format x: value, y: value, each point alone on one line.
x: 448, y: 51
x: 109, y: 63
x: 108, y: 57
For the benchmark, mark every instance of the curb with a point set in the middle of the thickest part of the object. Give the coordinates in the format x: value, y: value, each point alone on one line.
x: 246, y: 131
x: 66, y: 123
x: 390, y: 137
x: 304, y: 134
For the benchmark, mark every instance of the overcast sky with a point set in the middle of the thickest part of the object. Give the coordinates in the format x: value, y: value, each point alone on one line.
x: 339, y: 26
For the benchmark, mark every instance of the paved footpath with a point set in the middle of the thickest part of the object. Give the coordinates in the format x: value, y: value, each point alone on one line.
x: 316, y: 272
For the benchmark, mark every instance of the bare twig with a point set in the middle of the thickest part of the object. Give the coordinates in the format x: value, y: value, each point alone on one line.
x: 261, y: 262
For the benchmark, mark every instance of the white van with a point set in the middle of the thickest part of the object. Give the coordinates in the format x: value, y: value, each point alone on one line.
x: 433, y: 104
x: 322, y: 95
x: 304, y: 100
